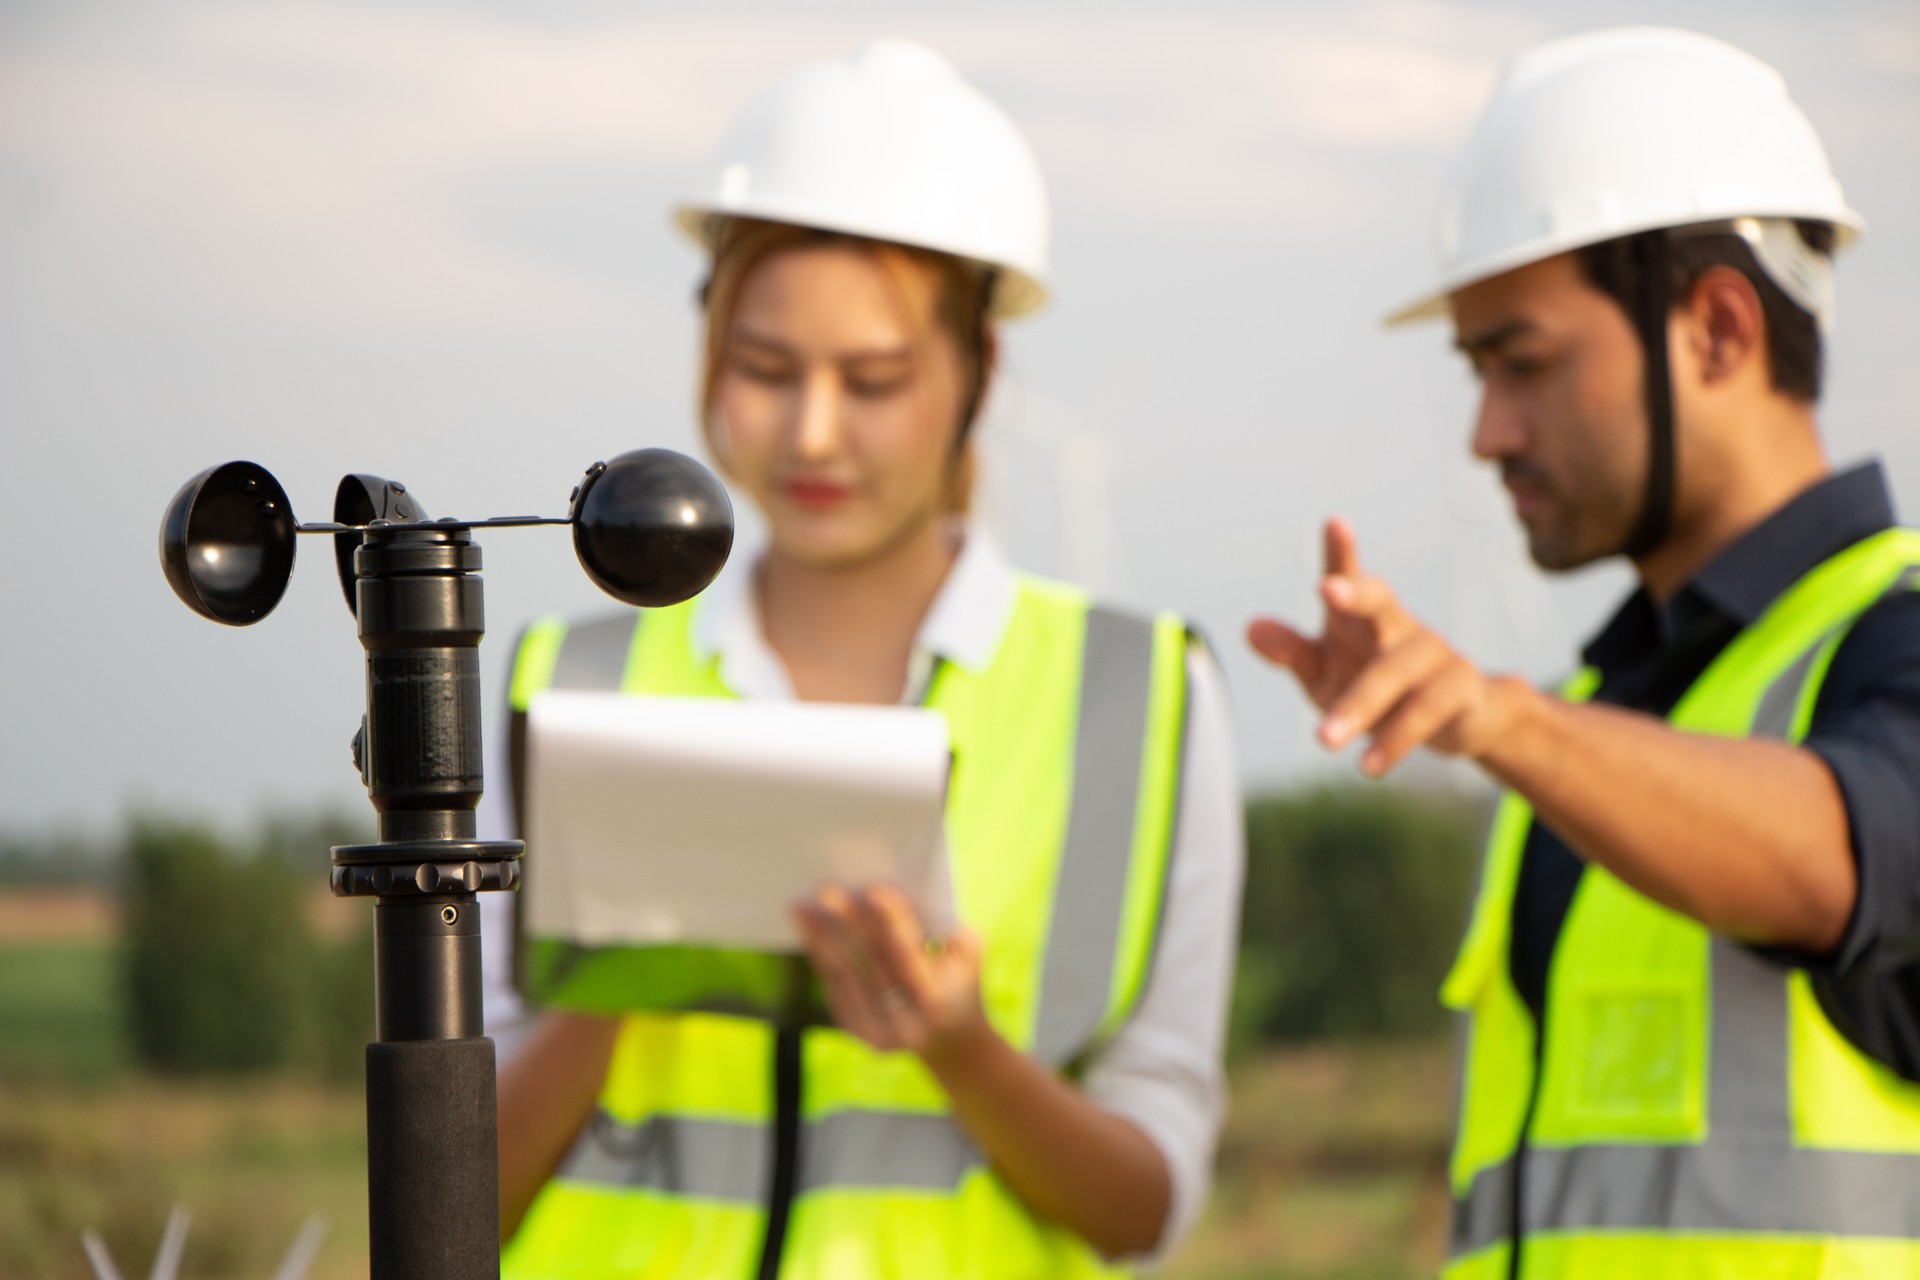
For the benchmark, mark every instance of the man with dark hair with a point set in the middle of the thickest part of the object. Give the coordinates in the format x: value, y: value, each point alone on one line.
x: 1688, y: 989
x: 1794, y: 355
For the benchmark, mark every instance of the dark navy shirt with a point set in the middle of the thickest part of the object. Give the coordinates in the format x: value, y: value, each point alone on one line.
x: 1865, y: 726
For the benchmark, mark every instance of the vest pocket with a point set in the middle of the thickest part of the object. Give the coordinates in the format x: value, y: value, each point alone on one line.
x: 1631, y: 1055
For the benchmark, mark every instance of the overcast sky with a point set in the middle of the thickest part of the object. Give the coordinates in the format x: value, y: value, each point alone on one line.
x: 430, y: 241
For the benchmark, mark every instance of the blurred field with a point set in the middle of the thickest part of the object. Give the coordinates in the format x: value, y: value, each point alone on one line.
x: 1331, y: 1167
x: 250, y: 1161
x: 59, y: 1019
x: 62, y: 913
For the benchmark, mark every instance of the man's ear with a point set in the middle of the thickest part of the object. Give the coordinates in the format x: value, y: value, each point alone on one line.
x: 1726, y: 327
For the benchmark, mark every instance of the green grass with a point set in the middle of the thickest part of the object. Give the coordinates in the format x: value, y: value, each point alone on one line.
x: 60, y: 1013
x: 86, y: 1141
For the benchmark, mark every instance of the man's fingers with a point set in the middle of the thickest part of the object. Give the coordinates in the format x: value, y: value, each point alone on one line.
x: 1421, y: 716
x: 1380, y: 685
x: 1342, y: 549
x: 1360, y: 597
x: 1281, y: 645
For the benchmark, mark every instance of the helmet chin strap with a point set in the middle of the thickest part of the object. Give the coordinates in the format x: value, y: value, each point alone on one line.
x: 1655, y: 520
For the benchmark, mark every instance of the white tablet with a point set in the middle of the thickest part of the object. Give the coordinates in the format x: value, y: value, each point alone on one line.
x: 700, y: 821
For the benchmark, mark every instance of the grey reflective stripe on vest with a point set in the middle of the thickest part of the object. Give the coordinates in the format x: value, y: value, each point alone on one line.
x: 594, y: 654
x: 707, y: 1159
x: 1484, y: 1217
x: 1746, y: 1175
x: 1723, y: 1186
x: 1083, y: 935
x: 901, y: 1150
x: 728, y: 1160
x: 1774, y: 718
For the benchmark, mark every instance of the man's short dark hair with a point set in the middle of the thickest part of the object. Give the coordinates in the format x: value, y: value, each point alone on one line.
x: 1794, y: 354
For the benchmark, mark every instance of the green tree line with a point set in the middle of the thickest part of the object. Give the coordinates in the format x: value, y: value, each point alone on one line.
x: 223, y: 970
x: 1355, y: 897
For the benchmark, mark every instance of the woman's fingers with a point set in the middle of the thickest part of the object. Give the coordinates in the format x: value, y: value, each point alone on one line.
x: 842, y: 972
x: 907, y: 990
x: 899, y: 943
x: 838, y: 916
x: 883, y: 982
x: 958, y: 959
x: 893, y: 923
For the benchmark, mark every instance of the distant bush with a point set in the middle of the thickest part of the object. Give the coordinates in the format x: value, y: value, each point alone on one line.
x: 223, y: 970
x: 217, y: 952
x: 340, y: 1011
x: 1356, y: 898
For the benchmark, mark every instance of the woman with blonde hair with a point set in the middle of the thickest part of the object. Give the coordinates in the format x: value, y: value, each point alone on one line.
x: 1038, y: 1093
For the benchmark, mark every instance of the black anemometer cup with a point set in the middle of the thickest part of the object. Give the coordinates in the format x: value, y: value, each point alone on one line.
x: 227, y: 543
x: 651, y: 528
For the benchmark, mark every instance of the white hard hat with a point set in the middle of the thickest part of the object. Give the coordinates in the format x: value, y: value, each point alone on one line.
x: 890, y: 144
x: 1602, y: 135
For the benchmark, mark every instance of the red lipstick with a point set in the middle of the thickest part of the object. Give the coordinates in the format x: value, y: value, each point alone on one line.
x: 816, y: 495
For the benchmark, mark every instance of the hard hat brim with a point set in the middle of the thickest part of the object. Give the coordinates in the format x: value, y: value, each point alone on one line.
x: 1848, y: 227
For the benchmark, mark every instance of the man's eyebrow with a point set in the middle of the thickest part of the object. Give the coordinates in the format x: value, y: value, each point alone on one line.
x: 1485, y: 341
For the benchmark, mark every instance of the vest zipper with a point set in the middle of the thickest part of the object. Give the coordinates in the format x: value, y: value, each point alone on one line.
x: 786, y: 1122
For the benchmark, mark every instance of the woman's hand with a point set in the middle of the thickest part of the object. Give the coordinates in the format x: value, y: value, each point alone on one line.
x: 1069, y: 1160
x: 886, y: 983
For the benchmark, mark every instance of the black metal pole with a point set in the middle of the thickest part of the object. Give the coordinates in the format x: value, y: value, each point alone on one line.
x: 652, y: 528
x: 432, y: 1136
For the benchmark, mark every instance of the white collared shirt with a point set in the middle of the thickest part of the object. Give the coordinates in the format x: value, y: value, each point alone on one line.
x: 1163, y: 1069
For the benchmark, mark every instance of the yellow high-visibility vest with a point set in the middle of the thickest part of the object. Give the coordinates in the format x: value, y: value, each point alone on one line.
x: 1687, y: 1110
x: 1067, y: 759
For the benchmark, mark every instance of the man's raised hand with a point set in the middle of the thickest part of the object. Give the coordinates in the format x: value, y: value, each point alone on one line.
x: 1375, y: 670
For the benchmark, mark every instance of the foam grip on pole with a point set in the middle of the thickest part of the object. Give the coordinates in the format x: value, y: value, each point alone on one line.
x: 433, y: 1171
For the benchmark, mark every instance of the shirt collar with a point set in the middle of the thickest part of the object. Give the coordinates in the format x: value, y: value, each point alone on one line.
x: 964, y: 626
x: 1740, y: 583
